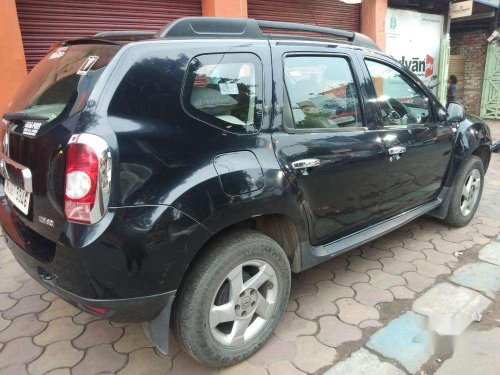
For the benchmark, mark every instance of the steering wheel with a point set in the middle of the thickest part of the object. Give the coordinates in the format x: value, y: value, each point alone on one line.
x: 396, y: 112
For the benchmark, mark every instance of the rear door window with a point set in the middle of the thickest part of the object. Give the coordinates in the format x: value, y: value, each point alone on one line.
x: 225, y: 90
x: 62, y: 80
x: 321, y: 94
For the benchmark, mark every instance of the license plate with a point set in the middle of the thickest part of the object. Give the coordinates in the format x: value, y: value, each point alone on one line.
x: 19, y: 197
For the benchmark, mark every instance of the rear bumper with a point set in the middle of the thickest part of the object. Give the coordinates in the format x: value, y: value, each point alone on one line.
x: 128, y: 268
x: 120, y: 310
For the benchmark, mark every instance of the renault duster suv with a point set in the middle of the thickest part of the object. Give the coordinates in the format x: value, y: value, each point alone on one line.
x: 178, y: 178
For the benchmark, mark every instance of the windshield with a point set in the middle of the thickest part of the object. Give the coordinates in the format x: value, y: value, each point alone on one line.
x: 62, y: 80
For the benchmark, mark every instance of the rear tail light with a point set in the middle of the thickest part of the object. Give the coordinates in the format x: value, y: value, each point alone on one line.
x: 87, y: 178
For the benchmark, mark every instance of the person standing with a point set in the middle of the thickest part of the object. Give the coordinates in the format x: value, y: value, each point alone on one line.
x: 452, y: 89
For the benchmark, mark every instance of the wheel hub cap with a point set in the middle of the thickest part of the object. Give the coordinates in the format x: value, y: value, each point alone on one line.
x: 470, y: 192
x: 244, y: 311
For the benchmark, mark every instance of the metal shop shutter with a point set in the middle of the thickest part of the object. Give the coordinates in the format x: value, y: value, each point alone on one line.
x: 327, y: 13
x: 44, y: 22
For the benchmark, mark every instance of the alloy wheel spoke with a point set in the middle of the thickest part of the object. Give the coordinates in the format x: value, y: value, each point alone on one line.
x: 259, y: 278
x: 222, y: 314
x: 237, y: 335
x: 236, y: 283
x: 464, y: 205
x: 465, y: 191
x: 264, y: 308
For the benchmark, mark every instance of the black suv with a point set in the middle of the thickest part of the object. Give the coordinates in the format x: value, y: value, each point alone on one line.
x: 180, y: 177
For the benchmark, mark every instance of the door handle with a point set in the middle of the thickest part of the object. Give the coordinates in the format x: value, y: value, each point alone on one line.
x: 396, y: 150
x: 305, y: 163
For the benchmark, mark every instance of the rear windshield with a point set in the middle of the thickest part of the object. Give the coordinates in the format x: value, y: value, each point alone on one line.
x: 62, y: 80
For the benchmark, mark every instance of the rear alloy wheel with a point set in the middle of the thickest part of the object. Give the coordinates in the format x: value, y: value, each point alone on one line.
x: 232, y: 298
x: 466, y: 194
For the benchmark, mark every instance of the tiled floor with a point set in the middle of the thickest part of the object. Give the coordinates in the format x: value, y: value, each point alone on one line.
x: 334, y: 309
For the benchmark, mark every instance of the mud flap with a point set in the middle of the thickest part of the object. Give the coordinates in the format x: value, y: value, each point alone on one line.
x: 158, y: 329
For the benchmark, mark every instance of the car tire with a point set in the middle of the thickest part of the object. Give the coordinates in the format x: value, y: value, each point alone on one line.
x: 212, y: 293
x: 466, y: 193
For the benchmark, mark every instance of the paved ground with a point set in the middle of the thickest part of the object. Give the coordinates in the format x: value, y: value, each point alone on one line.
x: 408, y: 302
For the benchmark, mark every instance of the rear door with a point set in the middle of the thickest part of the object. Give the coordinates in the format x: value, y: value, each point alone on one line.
x: 418, y: 145
x: 327, y: 146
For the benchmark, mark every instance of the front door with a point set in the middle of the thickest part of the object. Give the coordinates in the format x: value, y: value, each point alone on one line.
x: 325, y: 143
x: 418, y: 146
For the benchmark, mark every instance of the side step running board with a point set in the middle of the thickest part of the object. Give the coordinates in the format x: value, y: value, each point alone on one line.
x: 313, y: 255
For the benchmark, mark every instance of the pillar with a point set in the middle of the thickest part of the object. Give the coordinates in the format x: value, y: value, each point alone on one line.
x: 373, y: 14
x: 12, y: 61
x: 225, y: 8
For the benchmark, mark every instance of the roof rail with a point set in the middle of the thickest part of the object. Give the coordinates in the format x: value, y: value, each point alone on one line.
x: 249, y: 28
x: 124, y: 34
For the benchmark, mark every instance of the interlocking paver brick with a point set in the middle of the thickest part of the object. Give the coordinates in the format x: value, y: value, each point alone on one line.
x: 15, y: 370
x: 374, y: 253
x: 132, y: 339
x: 486, y: 230
x: 430, y: 269
x: 58, y: 329
x: 384, y: 280
x: 272, y: 350
x: 402, y: 292
x: 352, y: 312
x: 348, y: 277
x: 84, y: 318
x: 425, y: 235
x: 484, y: 277
x: 58, y: 354
x: 30, y: 287
x: 313, y: 275
x: 359, y: 264
x: 146, y: 362
x: 4, y: 323
x: 405, y: 340
x: 60, y: 371
x: 396, y: 267
x: 311, y: 307
x: 300, y: 288
x: 26, y: 305
x: 22, y: 326
x: 282, y: 368
x: 9, y: 285
x: 58, y: 309
x: 6, y: 256
x: 456, y: 235
x: 11, y: 270
x: 6, y: 302
x: 417, y: 282
x: 370, y: 323
x: 243, y: 368
x: 330, y: 291
x: 96, y: 333
x: 491, y: 253
x: 367, y: 294
x: 468, y: 244
x: 387, y: 243
x: 333, y: 332
x: 19, y: 351
x: 479, y: 239
x: 447, y: 246
x: 450, y: 309
x: 312, y: 355
x: 437, y: 257
x: 404, y: 255
x: 184, y: 364
x: 98, y: 359
x: 290, y: 326
x: 49, y: 297
x: 363, y: 362
x: 416, y: 245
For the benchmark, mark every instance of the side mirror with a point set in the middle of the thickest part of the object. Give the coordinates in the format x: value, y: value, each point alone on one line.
x: 456, y: 112
x: 442, y: 114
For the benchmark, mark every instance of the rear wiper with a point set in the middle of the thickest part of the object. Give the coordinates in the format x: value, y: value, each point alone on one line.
x: 13, y: 116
